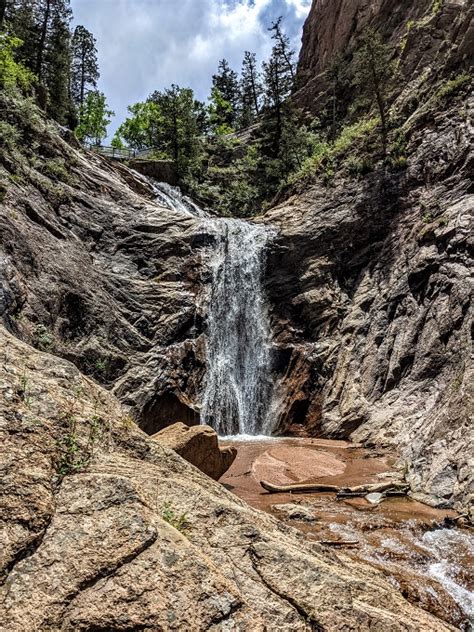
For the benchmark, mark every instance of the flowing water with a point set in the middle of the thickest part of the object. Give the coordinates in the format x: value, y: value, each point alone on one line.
x: 238, y: 386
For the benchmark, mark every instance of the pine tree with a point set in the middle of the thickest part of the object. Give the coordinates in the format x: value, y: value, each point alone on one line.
x: 85, y: 69
x: 338, y: 82
x: 57, y: 72
x: 22, y: 20
x: 3, y: 11
x: 227, y: 83
x: 283, y: 49
x: 374, y: 72
x: 251, y: 90
x: 279, y: 81
x: 180, y: 128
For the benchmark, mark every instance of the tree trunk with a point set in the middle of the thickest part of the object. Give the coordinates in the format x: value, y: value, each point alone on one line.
x: 383, y: 122
x: 42, y: 42
x: 254, y: 92
x: 3, y: 8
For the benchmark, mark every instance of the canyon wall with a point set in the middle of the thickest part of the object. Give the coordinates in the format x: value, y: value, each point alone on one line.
x: 370, y: 278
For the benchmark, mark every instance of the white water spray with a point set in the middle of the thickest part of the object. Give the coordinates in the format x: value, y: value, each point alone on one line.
x: 238, y: 382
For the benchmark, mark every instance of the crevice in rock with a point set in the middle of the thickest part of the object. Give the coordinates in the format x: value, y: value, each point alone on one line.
x: 101, y: 574
x: 35, y: 217
x: 308, y: 618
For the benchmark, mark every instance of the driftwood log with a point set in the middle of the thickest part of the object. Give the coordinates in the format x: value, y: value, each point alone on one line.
x: 391, y: 488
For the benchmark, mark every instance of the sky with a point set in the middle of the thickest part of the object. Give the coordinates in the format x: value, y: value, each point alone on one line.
x: 146, y: 45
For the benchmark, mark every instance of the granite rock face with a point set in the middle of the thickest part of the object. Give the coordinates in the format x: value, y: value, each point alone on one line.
x: 85, y: 545
x: 371, y: 278
x: 94, y: 269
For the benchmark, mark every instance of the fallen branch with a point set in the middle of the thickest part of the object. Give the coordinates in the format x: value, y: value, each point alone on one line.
x: 390, y: 488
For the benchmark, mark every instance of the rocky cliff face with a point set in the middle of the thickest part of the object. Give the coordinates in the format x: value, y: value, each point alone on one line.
x: 430, y: 38
x: 371, y: 277
x: 94, y: 270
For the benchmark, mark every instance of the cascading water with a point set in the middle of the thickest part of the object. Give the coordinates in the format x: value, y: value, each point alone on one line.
x: 238, y: 387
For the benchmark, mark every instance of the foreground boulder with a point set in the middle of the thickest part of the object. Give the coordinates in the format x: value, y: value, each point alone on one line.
x: 198, y: 445
x: 93, y: 535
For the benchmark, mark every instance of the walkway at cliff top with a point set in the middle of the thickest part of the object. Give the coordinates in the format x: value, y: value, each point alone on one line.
x: 143, y: 161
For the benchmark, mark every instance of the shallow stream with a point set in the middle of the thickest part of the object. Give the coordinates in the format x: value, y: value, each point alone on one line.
x: 415, y: 546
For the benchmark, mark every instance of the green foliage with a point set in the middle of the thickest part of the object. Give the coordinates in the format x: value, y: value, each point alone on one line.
x: 43, y: 338
x: 358, y: 166
x: 94, y: 117
x: 56, y: 168
x: 220, y: 113
x: 10, y: 137
x: 178, y: 521
x: 75, y: 452
x: 373, y: 76
x: 225, y: 96
x: 84, y: 65
x: 141, y: 130
x: 452, y: 86
x: 24, y: 389
x: 351, y: 133
x: 250, y: 89
x: 326, y: 154
x: 436, y: 7
x: 13, y: 74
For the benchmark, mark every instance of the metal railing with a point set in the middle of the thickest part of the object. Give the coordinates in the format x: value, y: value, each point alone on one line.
x: 122, y: 154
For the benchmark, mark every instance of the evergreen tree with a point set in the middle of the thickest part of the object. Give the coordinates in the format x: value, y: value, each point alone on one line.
x: 181, y: 126
x: 22, y: 21
x: 44, y: 15
x: 374, y: 73
x: 226, y: 82
x: 220, y: 113
x: 283, y: 49
x: 279, y: 81
x: 3, y: 11
x: 251, y: 90
x: 85, y: 69
x: 338, y: 82
x: 57, y: 71
x: 94, y: 118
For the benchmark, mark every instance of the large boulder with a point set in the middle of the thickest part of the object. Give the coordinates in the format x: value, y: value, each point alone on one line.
x: 198, y: 445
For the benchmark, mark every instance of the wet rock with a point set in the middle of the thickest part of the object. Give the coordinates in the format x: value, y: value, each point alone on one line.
x: 198, y: 445
x: 374, y: 498
x: 295, y: 512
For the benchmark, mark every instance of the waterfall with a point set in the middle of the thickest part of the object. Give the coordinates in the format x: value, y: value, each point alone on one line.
x: 238, y: 385
x: 237, y: 389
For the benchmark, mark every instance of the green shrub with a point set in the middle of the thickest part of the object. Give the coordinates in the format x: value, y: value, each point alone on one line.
x: 399, y: 162
x: 55, y: 168
x: 179, y: 522
x: 358, y: 166
x: 9, y: 136
x: 43, y: 338
x: 12, y: 73
x: 323, y: 158
x: 452, y: 86
x: 351, y: 133
x: 436, y: 7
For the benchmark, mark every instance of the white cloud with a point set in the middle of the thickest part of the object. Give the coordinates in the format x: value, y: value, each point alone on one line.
x: 145, y: 45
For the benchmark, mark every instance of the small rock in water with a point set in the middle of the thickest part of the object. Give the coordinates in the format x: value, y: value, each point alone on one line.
x: 374, y: 498
x: 296, y: 512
